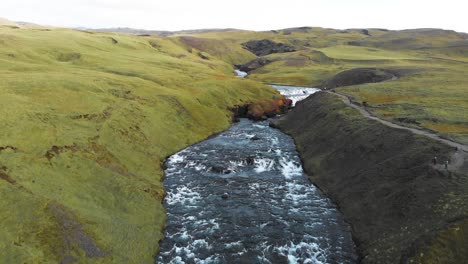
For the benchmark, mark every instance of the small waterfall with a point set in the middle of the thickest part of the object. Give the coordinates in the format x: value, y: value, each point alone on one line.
x: 240, y: 73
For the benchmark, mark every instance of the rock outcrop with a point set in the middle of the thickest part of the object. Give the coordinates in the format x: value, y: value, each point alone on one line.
x: 402, y: 208
x: 262, y: 110
x: 254, y: 64
x: 265, y: 46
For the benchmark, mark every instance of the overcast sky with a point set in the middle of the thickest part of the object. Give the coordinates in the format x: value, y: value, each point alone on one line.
x: 242, y: 14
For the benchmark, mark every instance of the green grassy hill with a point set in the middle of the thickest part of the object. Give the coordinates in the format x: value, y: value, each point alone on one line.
x: 401, y: 208
x: 433, y: 64
x: 87, y: 119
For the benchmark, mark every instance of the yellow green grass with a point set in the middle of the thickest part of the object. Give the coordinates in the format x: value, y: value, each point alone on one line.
x: 87, y: 120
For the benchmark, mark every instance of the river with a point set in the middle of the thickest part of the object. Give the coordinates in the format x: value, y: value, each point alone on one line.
x: 243, y: 197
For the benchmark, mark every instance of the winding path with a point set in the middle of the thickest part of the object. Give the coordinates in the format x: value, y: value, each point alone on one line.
x: 459, y: 160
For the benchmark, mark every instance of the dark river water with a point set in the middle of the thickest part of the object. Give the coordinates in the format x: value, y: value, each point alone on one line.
x: 243, y: 197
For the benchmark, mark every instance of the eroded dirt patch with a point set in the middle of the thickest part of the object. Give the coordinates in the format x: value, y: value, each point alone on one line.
x: 56, y: 150
x: 4, y: 176
x: 67, y: 237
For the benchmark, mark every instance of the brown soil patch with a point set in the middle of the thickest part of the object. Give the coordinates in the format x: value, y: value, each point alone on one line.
x: 7, y: 178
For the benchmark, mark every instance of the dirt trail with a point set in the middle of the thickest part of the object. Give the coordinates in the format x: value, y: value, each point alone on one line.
x: 459, y: 160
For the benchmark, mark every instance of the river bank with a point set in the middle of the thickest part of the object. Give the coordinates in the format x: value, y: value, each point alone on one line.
x: 242, y: 197
x: 400, y: 207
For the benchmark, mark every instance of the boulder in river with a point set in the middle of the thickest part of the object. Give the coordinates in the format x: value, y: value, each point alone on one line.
x: 217, y: 169
x: 254, y: 138
x: 250, y: 160
x: 273, y: 124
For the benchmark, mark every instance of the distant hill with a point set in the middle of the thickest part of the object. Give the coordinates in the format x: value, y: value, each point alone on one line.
x: 6, y: 22
x: 29, y: 25
x: 416, y: 39
x: 163, y: 33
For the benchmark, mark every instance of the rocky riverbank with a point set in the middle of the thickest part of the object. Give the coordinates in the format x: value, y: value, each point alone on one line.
x: 262, y: 110
x: 402, y: 208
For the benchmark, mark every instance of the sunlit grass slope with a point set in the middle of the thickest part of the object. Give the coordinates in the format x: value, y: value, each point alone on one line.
x: 432, y: 89
x: 87, y: 119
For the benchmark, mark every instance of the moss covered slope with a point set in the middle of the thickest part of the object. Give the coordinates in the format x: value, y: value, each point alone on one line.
x: 87, y: 119
x: 401, y: 208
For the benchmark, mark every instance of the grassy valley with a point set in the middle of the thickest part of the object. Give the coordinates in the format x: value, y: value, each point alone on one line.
x: 432, y: 64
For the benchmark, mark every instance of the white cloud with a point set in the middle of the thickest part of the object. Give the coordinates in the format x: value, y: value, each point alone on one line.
x: 244, y: 14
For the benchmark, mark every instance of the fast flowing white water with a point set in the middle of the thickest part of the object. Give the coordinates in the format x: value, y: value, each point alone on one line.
x: 242, y: 197
x: 240, y: 73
